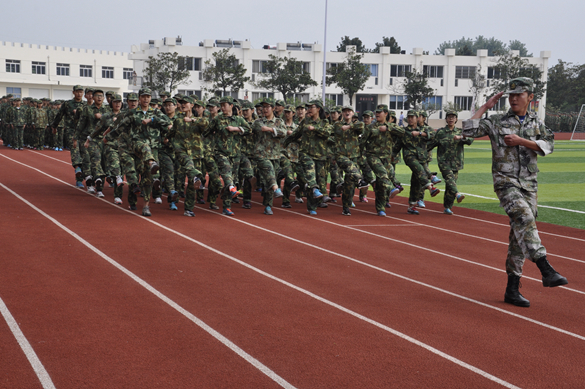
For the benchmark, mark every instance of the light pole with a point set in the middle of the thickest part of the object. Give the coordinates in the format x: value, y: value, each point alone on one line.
x: 324, y: 55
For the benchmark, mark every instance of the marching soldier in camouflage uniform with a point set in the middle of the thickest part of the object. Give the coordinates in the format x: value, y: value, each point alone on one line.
x: 289, y: 161
x: 40, y: 123
x: 68, y: 113
x: 247, y: 164
x: 414, y: 152
x: 347, y: 153
x: 16, y: 120
x: 422, y: 124
x: 376, y: 143
x: 449, y: 143
x: 367, y: 173
x: 313, y: 133
x: 517, y: 138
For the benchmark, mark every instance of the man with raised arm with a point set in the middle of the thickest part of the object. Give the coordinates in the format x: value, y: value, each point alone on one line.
x: 517, y: 138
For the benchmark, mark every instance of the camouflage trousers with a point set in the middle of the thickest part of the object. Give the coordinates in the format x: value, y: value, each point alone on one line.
x: 76, y: 160
x: 520, y: 205
x: 192, y: 169
x: 112, y: 165
x: 17, y: 137
x: 288, y: 170
x: 378, y: 166
x: 85, y: 158
x: 58, y: 138
x: 367, y: 172
x: 450, y: 178
x: 214, y: 183
x: 95, y: 151
x: 40, y: 141
x: 224, y: 168
x: 266, y: 170
x: 166, y: 160
x: 351, y: 179
x: 316, y: 176
x: 419, y: 180
x: 429, y: 175
x: 334, y: 173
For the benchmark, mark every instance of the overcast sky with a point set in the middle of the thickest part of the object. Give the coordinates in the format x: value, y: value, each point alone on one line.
x: 556, y: 26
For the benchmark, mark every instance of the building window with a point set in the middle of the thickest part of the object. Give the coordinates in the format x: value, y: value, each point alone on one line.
x: 232, y: 94
x: 107, y: 72
x: 306, y: 67
x: 331, y: 65
x: 85, y: 71
x: 15, y: 92
x: 128, y: 73
x: 337, y: 98
x: 434, y: 103
x: 261, y: 95
x: 190, y: 63
x: 433, y: 71
x: 464, y: 71
x: 399, y: 102
x: 196, y: 93
x: 302, y: 97
x: 38, y: 67
x: 400, y: 70
x: 259, y: 66
x: 12, y: 66
x: 500, y: 105
x: 62, y: 69
x: 373, y: 69
x: 463, y: 102
x: 493, y: 73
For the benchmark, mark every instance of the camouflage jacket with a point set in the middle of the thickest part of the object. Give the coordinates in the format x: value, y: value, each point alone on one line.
x: 292, y: 150
x: 188, y: 136
x: 449, y: 149
x: 16, y: 116
x: 108, y: 120
x: 225, y: 142
x: 313, y: 143
x: 67, y: 112
x: 247, y: 145
x: 375, y: 142
x: 267, y: 144
x: 513, y: 166
x: 153, y: 131
x: 347, y: 141
x: 40, y: 118
x: 416, y: 146
x: 88, y: 122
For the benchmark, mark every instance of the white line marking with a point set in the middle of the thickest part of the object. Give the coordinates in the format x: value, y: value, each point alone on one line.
x: 46, y: 156
x: 225, y: 341
x: 32, y: 357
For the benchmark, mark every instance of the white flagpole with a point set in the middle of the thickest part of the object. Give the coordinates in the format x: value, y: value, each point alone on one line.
x: 324, y: 54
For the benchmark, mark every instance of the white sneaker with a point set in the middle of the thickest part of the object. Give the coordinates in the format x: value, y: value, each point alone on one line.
x: 298, y: 200
x: 118, y: 201
x: 158, y: 200
x: 119, y: 181
x: 91, y: 189
x: 100, y: 194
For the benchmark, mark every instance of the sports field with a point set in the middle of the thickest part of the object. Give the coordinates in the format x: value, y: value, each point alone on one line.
x: 561, y: 182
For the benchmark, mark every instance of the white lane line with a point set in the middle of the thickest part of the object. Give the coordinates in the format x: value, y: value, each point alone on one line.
x: 225, y: 341
x: 32, y: 357
x: 46, y: 156
x: 379, y: 225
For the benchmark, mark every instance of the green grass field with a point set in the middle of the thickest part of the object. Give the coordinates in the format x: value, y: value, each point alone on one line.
x: 561, y: 183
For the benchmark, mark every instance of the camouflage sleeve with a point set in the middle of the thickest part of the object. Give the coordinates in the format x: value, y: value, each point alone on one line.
x: 82, y: 122
x: 295, y: 136
x: 358, y: 127
x: 323, y: 129
x: 546, y: 140
x: 397, y: 130
x: 279, y: 129
x: 476, y: 128
x: 244, y: 126
x: 59, y: 115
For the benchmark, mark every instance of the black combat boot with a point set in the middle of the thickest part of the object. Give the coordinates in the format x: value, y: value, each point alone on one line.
x: 513, y: 295
x: 550, y: 277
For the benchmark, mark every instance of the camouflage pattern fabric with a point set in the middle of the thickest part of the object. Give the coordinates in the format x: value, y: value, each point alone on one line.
x: 313, y: 143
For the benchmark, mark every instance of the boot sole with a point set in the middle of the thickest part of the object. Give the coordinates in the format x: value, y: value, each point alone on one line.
x: 560, y: 282
x: 517, y: 303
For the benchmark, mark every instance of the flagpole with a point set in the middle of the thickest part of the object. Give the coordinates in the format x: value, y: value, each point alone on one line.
x: 324, y: 54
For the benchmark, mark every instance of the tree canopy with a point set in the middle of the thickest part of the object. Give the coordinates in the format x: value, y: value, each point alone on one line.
x: 225, y: 73
x: 346, y: 41
x: 163, y: 73
x: 469, y: 47
x: 510, y: 66
x: 417, y: 89
x: 566, y: 87
x: 387, y: 42
x: 285, y: 75
x: 350, y: 75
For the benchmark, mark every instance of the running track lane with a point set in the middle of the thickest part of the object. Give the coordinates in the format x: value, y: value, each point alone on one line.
x: 261, y: 218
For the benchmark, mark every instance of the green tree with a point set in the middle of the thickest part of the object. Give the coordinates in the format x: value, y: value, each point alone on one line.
x: 521, y: 47
x: 509, y: 66
x: 285, y: 75
x: 346, y: 41
x: 566, y: 87
x: 350, y: 75
x: 468, y: 46
x: 224, y: 73
x: 388, y: 42
x: 417, y: 89
x: 163, y: 73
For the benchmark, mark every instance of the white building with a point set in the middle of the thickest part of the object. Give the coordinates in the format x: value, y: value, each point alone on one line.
x: 449, y: 75
x: 52, y: 71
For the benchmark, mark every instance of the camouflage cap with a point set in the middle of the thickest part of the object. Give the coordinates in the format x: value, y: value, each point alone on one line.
x: 280, y: 102
x: 110, y: 93
x: 226, y: 99
x: 451, y: 112
x: 347, y: 107
x: 95, y: 91
x: 77, y: 87
x: 423, y: 114
x: 318, y: 103
x: 289, y: 108
x: 154, y: 101
x: 9, y: 96
x: 212, y: 103
x: 301, y: 105
x: 247, y: 105
x: 268, y: 100
x: 188, y: 99
x: 355, y: 115
x: 520, y: 84
x: 200, y: 103
x: 382, y: 108
x: 132, y: 97
x: 412, y: 112
x: 16, y: 99
x: 27, y: 98
x: 45, y: 99
x: 89, y: 90
x: 368, y: 113
x: 164, y: 93
x: 145, y: 91
x: 392, y: 113
x: 237, y: 104
x: 170, y: 100
x: 178, y: 96
x: 116, y: 97
x: 337, y: 109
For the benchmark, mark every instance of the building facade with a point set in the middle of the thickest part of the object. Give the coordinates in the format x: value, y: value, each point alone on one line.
x: 450, y: 75
x: 52, y: 71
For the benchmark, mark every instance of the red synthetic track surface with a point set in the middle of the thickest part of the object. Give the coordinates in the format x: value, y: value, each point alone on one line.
x: 310, y: 302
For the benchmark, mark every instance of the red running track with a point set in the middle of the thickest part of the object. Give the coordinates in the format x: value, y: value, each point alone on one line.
x: 102, y: 297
